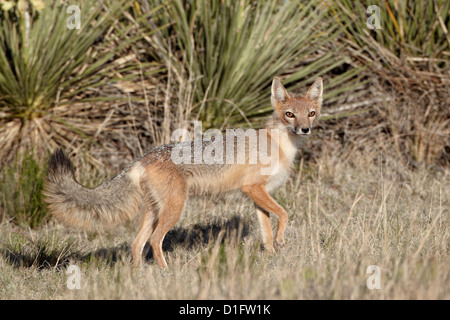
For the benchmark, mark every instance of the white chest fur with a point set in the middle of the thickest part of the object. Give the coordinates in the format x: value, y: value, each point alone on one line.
x: 288, y: 147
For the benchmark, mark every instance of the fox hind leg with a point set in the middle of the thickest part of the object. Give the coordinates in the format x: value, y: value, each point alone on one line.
x: 168, y: 217
x: 145, y: 231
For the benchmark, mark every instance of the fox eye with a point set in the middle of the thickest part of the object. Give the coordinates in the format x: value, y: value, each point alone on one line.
x: 290, y: 114
x: 312, y: 114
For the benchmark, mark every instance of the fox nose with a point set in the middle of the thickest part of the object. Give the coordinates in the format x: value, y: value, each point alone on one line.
x: 305, y: 130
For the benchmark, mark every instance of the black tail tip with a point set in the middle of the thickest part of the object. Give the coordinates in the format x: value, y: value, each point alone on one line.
x: 59, y: 163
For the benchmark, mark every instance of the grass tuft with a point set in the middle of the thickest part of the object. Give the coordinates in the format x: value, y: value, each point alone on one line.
x: 21, y: 198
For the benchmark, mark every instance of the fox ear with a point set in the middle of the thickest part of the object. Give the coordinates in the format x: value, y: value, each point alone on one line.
x: 279, y: 92
x: 315, y: 91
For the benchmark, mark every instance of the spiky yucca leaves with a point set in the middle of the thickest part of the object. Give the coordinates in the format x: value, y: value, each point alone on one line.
x: 416, y: 31
x: 45, y: 64
x: 226, y: 53
x: 408, y: 58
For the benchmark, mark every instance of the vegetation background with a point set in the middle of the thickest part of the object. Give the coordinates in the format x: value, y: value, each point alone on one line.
x: 370, y: 187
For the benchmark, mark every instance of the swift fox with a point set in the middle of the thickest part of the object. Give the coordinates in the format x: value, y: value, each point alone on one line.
x: 154, y: 188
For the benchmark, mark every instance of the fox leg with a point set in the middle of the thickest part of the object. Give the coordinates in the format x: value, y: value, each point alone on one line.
x: 145, y: 231
x: 168, y: 217
x: 262, y: 198
x: 266, y: 228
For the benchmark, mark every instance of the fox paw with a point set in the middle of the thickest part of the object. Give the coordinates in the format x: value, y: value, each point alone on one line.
x: 279, y: 243
x: 269, y: 248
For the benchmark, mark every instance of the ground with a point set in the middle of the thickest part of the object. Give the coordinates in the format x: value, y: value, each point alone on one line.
x: 344, y: 216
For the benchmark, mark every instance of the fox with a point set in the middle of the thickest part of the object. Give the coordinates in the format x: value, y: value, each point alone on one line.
x: 155, y: 188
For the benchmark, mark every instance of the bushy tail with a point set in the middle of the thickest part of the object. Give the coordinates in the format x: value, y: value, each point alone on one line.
x: 111, y: 203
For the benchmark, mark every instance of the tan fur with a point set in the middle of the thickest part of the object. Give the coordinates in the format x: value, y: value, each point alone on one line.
x: 155, y: 189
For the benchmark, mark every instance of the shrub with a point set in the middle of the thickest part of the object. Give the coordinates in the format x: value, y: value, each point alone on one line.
x: 21, y: 192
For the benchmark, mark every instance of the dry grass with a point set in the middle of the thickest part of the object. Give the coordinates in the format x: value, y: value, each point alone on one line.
x: 344, y: 216
x: 370, y: 189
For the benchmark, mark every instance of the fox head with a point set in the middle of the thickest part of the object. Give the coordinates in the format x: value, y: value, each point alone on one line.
x: 297, y: 113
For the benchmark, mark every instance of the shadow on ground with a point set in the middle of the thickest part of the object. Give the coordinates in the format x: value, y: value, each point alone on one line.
x: 44, y: 256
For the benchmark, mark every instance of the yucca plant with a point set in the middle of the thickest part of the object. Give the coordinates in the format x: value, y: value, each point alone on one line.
x: 414, y: 31
x: 47, y: 64
x: 227, y: 52
x: 408, y: 53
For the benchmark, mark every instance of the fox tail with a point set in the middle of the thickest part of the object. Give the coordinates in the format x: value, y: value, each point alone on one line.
x: 111, y: 203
